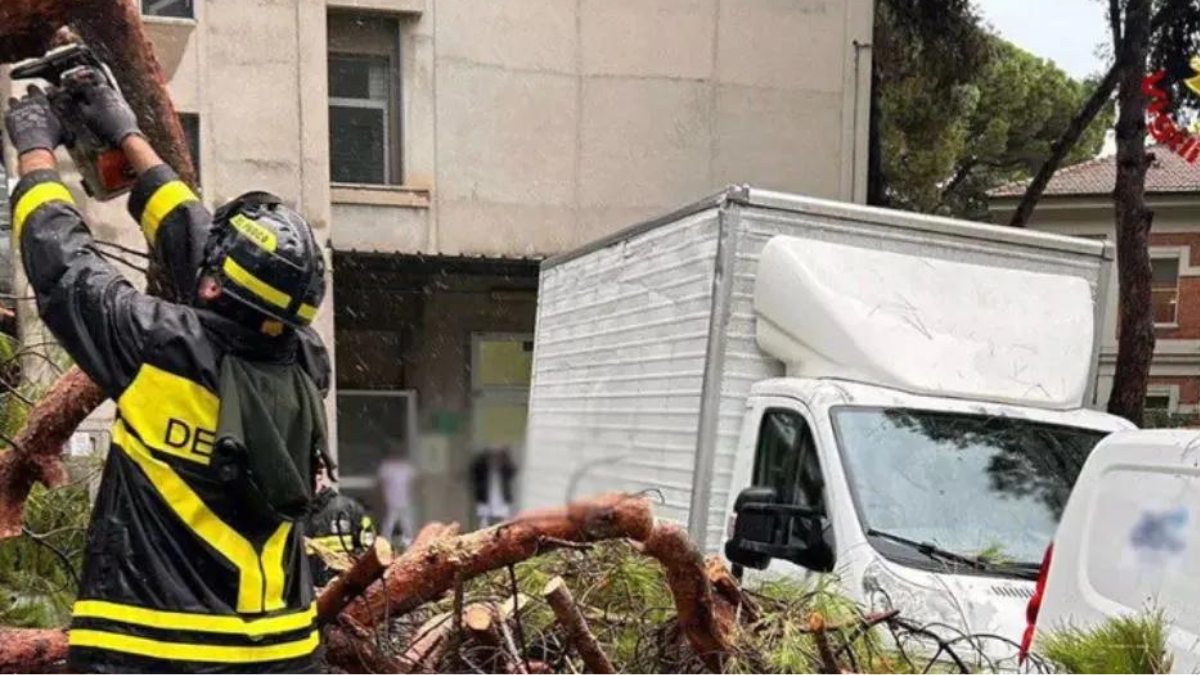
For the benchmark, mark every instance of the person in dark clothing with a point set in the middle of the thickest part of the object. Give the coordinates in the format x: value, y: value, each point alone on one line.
x: 339, y: 523
x: 492, y: 473
x: 195, y: 555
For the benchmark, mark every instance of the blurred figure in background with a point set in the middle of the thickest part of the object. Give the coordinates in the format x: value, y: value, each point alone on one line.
x: 492, y: 473
x: 395, y: 482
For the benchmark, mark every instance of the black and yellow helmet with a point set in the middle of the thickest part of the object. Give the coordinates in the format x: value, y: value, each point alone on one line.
x: 267, y: 261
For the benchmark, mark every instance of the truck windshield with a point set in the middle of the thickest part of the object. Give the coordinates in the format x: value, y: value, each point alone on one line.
x: 989, y: 488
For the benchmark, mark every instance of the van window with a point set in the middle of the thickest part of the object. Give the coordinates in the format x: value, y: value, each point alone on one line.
x: 786, y: 459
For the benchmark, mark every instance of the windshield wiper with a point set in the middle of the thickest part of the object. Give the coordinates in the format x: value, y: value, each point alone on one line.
x: 1019, y: 569
x: 930, y: 550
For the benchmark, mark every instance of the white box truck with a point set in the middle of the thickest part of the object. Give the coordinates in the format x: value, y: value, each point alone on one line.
x: 820, y: 387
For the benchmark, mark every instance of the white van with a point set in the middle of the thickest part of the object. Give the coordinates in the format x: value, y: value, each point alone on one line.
x: 1129, y: 541
x: 822, y: 387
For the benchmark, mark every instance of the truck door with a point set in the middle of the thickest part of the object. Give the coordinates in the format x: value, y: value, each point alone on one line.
x: 786, y: 461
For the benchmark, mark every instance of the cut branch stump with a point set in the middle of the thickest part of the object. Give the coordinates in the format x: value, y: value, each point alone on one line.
x: 558, y: 596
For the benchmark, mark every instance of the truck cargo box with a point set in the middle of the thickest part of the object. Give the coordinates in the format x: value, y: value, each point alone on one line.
x: 646, y: 349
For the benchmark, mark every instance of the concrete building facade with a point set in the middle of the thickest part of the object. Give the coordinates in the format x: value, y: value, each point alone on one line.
x: 1078, y: 202
x: 441, y: 148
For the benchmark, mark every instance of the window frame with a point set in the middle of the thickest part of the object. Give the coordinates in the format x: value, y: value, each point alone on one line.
x: 393, y: 108
x: 807, y: 430
x: 191, y: 16
x: 1168, y: 391
x: 1174, y: 257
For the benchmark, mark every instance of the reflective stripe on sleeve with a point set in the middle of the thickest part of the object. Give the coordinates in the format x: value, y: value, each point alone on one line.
x: 37, y: 196
x: 164, y: 200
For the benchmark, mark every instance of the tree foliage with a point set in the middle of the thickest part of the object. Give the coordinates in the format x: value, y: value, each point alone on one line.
x: 961, y: 110
x: 1122, y: 644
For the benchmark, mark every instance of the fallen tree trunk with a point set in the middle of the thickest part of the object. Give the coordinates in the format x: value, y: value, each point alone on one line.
x: 32, y: 650
x: 421, y: 574
x: 706, y: 618
x: 113, y: 28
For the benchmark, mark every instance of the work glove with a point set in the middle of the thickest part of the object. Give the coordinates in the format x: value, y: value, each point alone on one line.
x: 107, y: 113
x: 32, y: 124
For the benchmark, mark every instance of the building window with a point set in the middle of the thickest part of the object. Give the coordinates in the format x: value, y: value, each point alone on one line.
x: 1164, y: 289
x: 191, y: 129
x: 1158, y: 402
x: 176, y: 9
x: 364, y: 100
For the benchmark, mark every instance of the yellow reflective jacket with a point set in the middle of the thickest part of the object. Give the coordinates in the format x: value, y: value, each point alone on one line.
x: 177, y: 576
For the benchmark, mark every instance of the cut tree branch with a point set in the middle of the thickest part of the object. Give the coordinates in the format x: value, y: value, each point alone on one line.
x: 33, y: 650
x: 366, y: 570
x: 705, y: 617
x: 558, y: 596
x: 423, y: 573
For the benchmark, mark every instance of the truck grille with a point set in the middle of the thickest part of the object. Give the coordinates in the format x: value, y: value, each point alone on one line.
x: 1006, y: 591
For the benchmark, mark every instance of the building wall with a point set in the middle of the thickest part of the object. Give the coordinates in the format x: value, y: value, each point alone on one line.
x: 1176, y: 233
x: 533, y: 126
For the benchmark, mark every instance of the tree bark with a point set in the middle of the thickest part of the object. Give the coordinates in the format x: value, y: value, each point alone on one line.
x: 558, y: 596
x: 27, y: 27
x: 706, y: 618
x: 876, y: 180
x: 434, y: 532
x: 365, y: 571
x: 421, y: 574
x: 113, y: 28
x: 353, y: 649
x: 1136, y: 314
x: 33, y: 650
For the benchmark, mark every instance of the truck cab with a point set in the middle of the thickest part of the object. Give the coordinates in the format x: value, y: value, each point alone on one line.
x: 941, y: 507
x: 928, y: 466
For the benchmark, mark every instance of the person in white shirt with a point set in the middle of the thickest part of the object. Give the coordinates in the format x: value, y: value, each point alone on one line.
x: 395, y: 482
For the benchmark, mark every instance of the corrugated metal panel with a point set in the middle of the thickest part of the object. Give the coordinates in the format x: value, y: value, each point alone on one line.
x: 621, y: 337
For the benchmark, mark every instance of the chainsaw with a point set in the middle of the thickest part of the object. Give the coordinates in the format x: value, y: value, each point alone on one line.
x: 70, y: 70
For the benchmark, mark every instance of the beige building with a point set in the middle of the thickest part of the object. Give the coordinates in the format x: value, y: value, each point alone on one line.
x: 442, y: 148
x: 1078, y: 202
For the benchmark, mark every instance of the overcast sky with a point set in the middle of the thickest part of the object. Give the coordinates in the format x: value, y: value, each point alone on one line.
x: 1064, y: 31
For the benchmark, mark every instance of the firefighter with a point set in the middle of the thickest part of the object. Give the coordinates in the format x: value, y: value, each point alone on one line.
x: 338, y: 523
x: 194, y: 557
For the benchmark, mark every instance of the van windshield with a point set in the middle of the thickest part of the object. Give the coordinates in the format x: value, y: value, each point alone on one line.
x: 984, y: 487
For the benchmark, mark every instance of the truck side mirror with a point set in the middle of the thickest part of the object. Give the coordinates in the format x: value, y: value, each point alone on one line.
x: 751, y: 528
x: 764, y: 529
